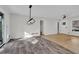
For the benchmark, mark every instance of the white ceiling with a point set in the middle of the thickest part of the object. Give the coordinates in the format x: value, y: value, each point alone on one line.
x: 45, y: 10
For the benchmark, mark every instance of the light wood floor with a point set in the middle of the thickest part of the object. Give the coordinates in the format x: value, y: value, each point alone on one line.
x: 67, y: 41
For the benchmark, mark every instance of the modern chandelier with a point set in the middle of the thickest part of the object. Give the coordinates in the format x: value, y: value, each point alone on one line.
x: 31, y: 19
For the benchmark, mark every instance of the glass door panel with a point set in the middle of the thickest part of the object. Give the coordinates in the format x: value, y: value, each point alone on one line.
x: 0, y: 30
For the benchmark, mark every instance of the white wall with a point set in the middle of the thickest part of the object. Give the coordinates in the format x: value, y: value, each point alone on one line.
x: 67, y: 29
x: 50, y: 26
x: 6, y: 30
x: 19, y: 26
x: 64, y: 28
x: 76, y: 33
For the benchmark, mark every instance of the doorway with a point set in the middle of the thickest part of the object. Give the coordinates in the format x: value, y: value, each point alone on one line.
x: 58, y: 28
x: 41, y: 27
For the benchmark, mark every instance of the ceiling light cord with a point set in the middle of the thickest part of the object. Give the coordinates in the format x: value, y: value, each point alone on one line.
x: 30, y: 6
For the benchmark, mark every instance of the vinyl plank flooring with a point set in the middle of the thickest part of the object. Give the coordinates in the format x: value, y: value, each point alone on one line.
x: 69, y: 42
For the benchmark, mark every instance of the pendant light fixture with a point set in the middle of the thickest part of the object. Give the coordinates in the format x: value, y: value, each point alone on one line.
x: 31, y: 19
x: 64, y: 16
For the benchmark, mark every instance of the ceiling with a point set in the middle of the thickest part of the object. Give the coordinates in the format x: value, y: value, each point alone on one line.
x: 45, y: 10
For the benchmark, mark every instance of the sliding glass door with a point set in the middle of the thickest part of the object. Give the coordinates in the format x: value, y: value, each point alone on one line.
x: 1, y: 30
x: 1, y: 25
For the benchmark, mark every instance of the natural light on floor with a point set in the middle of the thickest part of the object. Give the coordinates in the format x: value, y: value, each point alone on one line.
x: 27, y: 35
